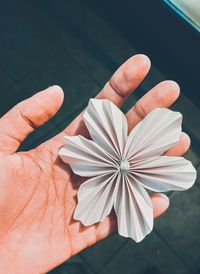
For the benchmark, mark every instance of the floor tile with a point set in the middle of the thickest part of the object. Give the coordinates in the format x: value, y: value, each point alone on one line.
x: 151, y: 256
x: 25, y: 44
x: 11, y: 9
x: 153, y: 78
x: 105, y: 40
x: 5, y: 81
x: 180, y: 226
x: 73, y: 266
x: 70, y: 39
x: 97, y: 255
x: 198, y: 175
x: 62, y: 70
x: 193, y: 156
x: 10, y: 97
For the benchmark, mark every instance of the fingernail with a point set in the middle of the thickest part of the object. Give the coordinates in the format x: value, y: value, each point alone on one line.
x: 165, y: 198
x: 55, y: 90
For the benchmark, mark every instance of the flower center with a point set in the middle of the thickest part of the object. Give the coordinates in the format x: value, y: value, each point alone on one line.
x: 124, y: 165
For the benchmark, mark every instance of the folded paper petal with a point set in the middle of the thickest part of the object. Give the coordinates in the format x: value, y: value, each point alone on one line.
x: 156, y: 133
x: 107, y: 126
x: 95, y: 199
x: 123, y: 166
x: 85, y: 157
x: 164, y: 173
x: 134, y: 211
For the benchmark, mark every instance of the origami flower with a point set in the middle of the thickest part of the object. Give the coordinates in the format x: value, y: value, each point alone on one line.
x: 121, y: 166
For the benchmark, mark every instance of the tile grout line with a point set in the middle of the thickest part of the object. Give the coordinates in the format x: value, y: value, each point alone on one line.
x: 16, y: 80
x: 191, y: 271
x: 20, y: 14
x: 87, y: 264
x: 3, y: 91
x: 61, y: 20
x: 113, y: 255
x: 68, y: 52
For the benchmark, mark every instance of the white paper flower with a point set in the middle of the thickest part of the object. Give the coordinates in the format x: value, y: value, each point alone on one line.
x: 121, y: 166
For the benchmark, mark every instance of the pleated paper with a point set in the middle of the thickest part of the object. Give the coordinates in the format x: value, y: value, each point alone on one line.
x: 121, y: 167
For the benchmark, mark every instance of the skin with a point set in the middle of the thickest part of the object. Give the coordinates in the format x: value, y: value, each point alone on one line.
x: 38, y: 191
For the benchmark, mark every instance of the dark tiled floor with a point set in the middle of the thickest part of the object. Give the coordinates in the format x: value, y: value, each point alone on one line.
x: 11, y: 9
x: 180, y: 228
x: 66, y: 43
x: 5, y: 80
x: 62, y: 70
x: 29, y: 47
x: 153, y: 256
x: 100, y: 254
x: 10, y: 97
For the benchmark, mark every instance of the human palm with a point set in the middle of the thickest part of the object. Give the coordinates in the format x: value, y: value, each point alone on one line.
x: 38, y: 191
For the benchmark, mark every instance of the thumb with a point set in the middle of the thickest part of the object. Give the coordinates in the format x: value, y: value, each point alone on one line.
x: 31, y: 113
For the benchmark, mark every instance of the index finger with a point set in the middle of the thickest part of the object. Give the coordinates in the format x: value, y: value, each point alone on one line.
x: 123, y: 82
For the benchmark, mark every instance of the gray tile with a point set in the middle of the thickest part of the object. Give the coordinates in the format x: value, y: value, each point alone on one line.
x: 62, y: 70
x: 198, y: 175
x: 96, y: 256
x: 151, y: 256
x: 25, y: 43
x: 10, y: 97
x: 75, y: 265
x: 80, y: 49
x: 180, y: 226
x: 193, y: 156
x: 153, y: 78
x: 94, y: 33
x: 11, y: 9
x: 5, y: 80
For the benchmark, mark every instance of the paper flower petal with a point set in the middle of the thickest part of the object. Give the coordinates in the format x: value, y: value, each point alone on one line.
x: 85, y: 157
x: 123, y: 166
x: 134, y: 211
x: 107, y: 126
x: 164, y: 173
x: 156, y: 133
x: 95, y: 199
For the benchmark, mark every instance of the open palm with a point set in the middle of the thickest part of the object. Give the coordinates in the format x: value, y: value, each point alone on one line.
x: 38, y: 191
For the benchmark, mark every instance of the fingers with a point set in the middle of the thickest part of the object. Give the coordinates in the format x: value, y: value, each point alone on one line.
x: 125, y: 79
x: 181, y: 147
x: 121, y: 84
x: 28, y: 115
x: 119, y: 87
x: 162, y: 95
x: 160, y: 204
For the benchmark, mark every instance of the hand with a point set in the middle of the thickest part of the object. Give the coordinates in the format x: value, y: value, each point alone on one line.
x: 38, y: 191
